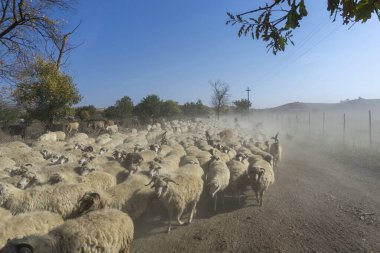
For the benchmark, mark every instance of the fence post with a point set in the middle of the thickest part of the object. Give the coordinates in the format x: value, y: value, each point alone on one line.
x: 309, y: 123
x: 296, y: 123
x: 344, y: 129
x: 370, y: 128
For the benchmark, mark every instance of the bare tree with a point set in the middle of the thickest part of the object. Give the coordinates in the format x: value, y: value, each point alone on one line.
x: 219, y: 98
x: 26, y: 28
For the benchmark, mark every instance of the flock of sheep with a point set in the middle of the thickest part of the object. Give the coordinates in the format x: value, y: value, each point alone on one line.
x: 82, y: 194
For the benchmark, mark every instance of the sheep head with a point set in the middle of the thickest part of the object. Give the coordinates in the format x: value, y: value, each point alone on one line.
x: 85, y: 170
x: 255, y: 173
x: 55, y: 179
x: 27, y: 180
x: 275, y: 138
x: 133, y: 169
x: 155, y: 147
x: 154, y: 169
x: 89, y: 202
x: 161, y: 185
x: 14, y: 246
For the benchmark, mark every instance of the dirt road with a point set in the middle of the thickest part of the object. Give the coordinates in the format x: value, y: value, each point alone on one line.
x: 315, y: 205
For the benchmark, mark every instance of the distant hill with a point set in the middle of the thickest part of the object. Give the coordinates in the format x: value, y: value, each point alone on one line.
x: 359, y: 104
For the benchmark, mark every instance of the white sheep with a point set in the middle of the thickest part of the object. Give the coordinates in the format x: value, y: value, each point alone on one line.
x: 261, y: 176
x: 107, y: 230
x: 61, y: 198
x: 98, y: 180
x: 275, y: 150
x: 33, y: 223
x: 112, y: 129
x: 4, y: 214
x: 72, y: 126
x: 190, y: 165
x: 218, y: 177
x: 178, y: 193
x: 238, y: 177
x: 131, y: 197
x: 49, y: 136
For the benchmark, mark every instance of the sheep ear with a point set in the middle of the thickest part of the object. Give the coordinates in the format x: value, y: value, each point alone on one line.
x: 24, y: 248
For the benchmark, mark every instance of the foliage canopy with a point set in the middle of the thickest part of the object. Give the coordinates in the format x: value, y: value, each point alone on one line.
x: 46, y: 93
x: 275, y: 22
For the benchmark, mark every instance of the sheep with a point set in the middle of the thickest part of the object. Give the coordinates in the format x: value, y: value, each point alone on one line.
x: 107, y: 230
x: 178, y: 193
x: 33, y: 223
x: 226, y: 135
x: 61, y: 199
x: 148, y: 155
x: 97, y: 125
x: 218, y: 178
x: 4, y: 214
x: 238, y: 177
x: 261, y: 176
x: 59, y: 159
x: 222, y: 156
x: 112, y: 129
x: 102, y: 151
x: 166, y: 165
x: 276, y: 151
x: 72, y: 126
x: 49, y: 136
x: 130, y: 196
x: 98, y: 180
x: 178, y: 150
x: 190, y: 165
x: 229, y: 151
x: 61, y: 136
x: 155, y: 147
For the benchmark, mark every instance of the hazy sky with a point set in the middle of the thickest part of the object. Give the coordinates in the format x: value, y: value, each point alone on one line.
x: 173, y: 48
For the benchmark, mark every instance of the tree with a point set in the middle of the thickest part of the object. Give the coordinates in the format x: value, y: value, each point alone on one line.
x: 8, y: 114
x: 242, y: 105
x: 45, y: 92
x: 27, y: 29
x: 85, y: 112
x: 148, y: 108
x: 169, y: 109
x: 122, y: 109
x: 192, y: 109
x: 219, y: 98
x: 275, y: 22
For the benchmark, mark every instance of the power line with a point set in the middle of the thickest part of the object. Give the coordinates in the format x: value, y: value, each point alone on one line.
x: 303, y: 54
x: 302, y: 43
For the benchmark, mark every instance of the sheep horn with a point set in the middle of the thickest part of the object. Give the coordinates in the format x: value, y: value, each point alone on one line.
x: 170, y: 180
x: 151, y: 181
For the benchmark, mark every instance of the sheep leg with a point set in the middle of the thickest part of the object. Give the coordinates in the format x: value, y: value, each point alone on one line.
x: 215, y: 200
x: 223, y: 200
x: 261, y: 198
x: 257, y: 197
x: 170, y: 221
x: 180, y: 222
x: 193, y: 210
x: 238, y: 197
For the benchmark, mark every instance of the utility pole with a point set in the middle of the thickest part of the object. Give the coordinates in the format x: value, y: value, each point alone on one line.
x: 248, y: 90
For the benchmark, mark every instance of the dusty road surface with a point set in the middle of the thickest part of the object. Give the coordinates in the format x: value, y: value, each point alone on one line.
x: 316, y: 205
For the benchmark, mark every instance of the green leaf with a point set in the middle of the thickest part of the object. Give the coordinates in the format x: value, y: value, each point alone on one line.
x: 303, y: 11
x: 363, y: 10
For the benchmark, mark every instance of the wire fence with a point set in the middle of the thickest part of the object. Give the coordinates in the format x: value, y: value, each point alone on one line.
x: 355, y: 129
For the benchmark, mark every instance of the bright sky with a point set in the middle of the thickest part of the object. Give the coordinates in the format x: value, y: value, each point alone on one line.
x: 173, y: 48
